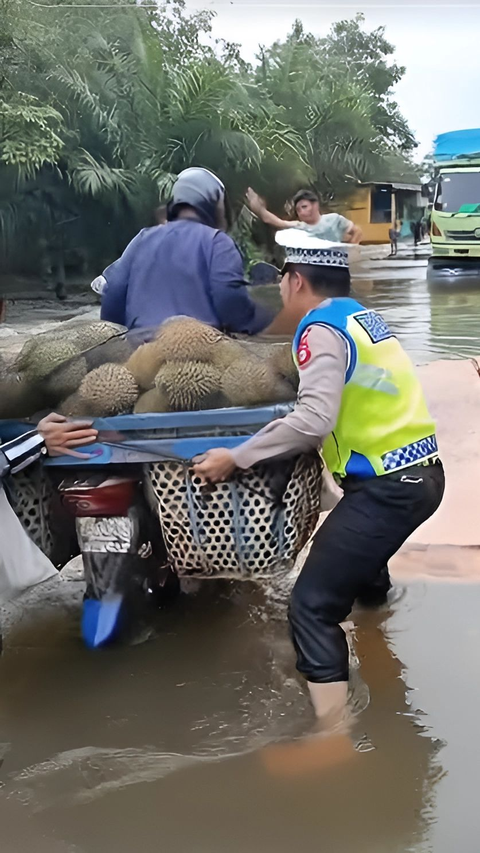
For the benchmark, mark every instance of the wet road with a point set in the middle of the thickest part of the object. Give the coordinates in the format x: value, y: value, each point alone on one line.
x: 193, y: 742
x: 431, y: 323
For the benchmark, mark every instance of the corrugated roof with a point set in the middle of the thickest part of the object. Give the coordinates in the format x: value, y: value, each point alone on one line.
x: 396, y: 185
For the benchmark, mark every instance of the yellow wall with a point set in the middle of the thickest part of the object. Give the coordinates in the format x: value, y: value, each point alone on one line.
x: 357, y: 208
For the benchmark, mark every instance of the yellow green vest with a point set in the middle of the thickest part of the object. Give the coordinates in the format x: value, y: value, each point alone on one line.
x: 383, y: 424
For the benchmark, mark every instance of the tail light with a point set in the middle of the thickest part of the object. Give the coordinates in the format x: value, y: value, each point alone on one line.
x: 113, y: 497
x: 436, y: 230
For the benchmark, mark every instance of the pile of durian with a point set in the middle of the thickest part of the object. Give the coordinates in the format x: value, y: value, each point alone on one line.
x: 94, y: 369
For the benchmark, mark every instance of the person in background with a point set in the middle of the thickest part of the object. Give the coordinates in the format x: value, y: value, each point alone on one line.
x: 394, y: 234
x: 189, y: 266
x: 22, y: 564
x: 360, y: 398
x: 325, y: 226
x: 416, y: 229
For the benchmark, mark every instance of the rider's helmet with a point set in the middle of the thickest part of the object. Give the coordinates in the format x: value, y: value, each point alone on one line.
x: 201, y: 190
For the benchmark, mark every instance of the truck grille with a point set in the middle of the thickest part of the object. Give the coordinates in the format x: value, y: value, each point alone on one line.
x: 461, y: 235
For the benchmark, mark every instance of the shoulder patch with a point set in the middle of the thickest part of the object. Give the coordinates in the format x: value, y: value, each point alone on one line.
x: 304, y: 353
x: 374, y: 325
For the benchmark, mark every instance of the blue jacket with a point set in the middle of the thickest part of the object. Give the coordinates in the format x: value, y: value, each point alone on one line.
x: 183, y: 267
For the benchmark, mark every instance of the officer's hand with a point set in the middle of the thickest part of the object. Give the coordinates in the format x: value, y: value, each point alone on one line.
x: 61, y: 435
x: 215, y: 466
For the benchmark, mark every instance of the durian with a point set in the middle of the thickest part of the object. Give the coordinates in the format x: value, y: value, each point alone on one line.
x: 188, y: 385
x: 18, y: 397
x: 44, y: 352
x: 144, y: 365
x: 40, y: 360
x: 186, y: 339
x: 152, y: 401
x: 73, y: 407
x: 116, y: 350
x: 65, y: 379
x: 251, y: 382
x: 225, y: 352
x: 109, y: 390
x: 87, y: 335
x: 281, y: 359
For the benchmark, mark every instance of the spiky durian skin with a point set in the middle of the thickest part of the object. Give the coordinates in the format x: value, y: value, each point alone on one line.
x: 153, y: 400
x: 251, y: 382
x: 90, y: 334
x: 144, y: 365
x: 225, y: 352
x: 45, y: 357
x: 281, y: 359
x: 109, y: 390
x: 187, y: 384
x: 74, y: 407
x: 186, y: 339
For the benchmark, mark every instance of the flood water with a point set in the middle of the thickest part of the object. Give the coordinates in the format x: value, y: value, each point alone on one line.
x: 431, y: 323
x: 194, y: 739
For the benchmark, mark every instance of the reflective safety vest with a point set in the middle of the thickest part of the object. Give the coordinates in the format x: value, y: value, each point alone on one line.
x: 383, y: 424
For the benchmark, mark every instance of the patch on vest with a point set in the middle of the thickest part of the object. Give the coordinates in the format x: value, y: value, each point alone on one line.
x: 374, y: 325
x: 303, y: 352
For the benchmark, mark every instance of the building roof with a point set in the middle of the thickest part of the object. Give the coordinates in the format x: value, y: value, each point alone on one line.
x: 395, y: 185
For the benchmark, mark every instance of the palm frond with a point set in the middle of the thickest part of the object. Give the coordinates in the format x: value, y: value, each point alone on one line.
x: 94, y: 178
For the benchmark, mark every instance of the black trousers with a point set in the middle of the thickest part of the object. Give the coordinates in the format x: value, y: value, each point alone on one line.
x: 348, y: 557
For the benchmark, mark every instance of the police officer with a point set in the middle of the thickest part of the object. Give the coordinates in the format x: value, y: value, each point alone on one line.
x: 360, y: 399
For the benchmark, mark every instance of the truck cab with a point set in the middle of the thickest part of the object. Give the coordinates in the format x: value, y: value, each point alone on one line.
x: 455, y: 214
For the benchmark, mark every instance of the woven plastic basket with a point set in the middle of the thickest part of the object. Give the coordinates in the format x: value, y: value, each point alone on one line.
x: 249, y: 528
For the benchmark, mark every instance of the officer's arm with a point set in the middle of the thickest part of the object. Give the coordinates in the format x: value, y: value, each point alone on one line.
x: 322, y: 379
x: 235, y: 309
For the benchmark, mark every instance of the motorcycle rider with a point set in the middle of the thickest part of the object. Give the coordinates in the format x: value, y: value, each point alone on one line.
x: 189, y: 266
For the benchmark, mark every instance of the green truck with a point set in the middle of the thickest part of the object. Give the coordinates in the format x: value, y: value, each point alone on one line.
x: 455, y: 213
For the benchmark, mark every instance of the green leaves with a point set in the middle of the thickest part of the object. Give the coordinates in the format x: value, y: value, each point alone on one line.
x: 29, y: 133
x: 101, y: 108
x: 98, y: 179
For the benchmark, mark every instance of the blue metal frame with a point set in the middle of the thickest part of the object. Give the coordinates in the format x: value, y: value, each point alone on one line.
x: 153, y: 449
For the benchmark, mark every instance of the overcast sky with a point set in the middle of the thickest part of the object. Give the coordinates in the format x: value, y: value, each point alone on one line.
x: 437, y: 42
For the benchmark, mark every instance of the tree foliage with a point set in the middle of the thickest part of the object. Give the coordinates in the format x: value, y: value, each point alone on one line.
x: 101, y: 107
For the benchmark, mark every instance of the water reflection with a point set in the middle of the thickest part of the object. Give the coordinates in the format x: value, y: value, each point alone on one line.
x: 193, y: 742
x: 431, y: 323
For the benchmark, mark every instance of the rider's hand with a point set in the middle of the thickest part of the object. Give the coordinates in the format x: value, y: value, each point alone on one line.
x: 255, y: 203
x: 215, y: 466
x: 61, y: 435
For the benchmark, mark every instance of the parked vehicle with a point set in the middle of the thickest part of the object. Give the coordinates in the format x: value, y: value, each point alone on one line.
x: 455, y: 213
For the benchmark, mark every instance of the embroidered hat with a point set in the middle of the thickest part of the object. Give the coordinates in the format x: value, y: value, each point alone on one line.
x: 302, y: 248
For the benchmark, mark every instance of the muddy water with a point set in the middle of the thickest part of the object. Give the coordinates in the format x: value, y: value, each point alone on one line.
x: 431, y: 323
x: 196, y: 740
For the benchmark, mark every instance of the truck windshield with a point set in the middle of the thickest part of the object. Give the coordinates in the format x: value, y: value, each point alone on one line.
x: 457, y: 191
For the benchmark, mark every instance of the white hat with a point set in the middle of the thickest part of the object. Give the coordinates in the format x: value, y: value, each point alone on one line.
x: 302, y: 248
